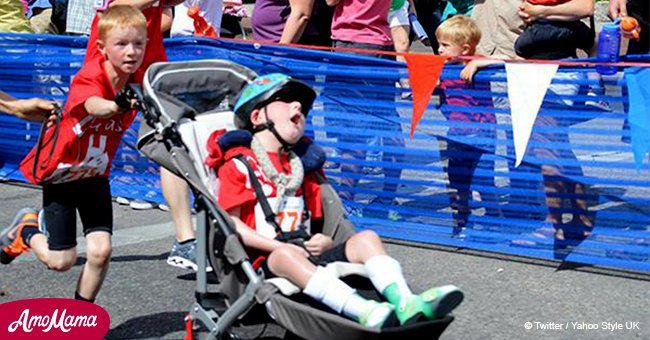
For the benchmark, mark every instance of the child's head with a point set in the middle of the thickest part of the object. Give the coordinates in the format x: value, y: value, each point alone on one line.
x: 457, y: 36
x: 122, y: 37
x: 275, y: 102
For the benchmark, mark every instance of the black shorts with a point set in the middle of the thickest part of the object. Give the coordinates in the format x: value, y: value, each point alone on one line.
x: 335, y: 254
x: 91, y: 197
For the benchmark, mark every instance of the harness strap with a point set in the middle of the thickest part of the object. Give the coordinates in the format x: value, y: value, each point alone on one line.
x: 269, y: 215
x: 58, y: 113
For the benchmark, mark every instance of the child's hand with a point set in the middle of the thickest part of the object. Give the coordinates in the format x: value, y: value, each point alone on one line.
x: 467, y: 74
x: 318, y: 244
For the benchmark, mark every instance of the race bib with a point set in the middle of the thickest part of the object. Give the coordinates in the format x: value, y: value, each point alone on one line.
x: 289, y: 216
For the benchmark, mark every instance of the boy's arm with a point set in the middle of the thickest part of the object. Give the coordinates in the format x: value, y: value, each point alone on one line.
x: 252, y: 239
x: 467, y: 74
x: 104, y: 108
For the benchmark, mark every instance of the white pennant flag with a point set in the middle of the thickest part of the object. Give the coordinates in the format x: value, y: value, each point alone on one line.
x: 527, y: 86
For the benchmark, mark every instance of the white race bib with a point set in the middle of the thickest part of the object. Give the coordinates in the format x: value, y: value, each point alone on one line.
x: 289, y: 216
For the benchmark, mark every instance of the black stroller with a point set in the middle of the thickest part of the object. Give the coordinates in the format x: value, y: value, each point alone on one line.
x: 183, y: 102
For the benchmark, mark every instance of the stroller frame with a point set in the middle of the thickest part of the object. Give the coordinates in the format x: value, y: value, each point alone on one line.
x: 217, y: 241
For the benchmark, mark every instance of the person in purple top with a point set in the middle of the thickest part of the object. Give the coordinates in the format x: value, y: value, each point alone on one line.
x: 292, y: 22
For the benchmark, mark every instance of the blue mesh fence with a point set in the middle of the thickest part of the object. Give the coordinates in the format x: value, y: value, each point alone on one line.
x: 578, y: 195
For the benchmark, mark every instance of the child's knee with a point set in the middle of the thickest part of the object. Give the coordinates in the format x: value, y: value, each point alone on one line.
x: 368, y: 236
x: 61, y: 264
x: 283, y: 256
x: 99, y: 254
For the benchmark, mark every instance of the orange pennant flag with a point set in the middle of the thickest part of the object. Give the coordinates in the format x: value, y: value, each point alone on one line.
x: 424, y: 71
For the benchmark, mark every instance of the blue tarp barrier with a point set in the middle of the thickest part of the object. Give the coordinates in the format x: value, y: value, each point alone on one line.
x: 578, y: 196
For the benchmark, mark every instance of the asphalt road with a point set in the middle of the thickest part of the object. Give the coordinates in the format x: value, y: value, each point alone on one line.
x: 146, y: 298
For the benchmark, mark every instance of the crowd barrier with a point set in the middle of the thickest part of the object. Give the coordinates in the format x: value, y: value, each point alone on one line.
x: 578, y: 196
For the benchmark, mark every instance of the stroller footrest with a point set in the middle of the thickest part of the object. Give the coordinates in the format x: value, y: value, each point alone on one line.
x: 212, y: 301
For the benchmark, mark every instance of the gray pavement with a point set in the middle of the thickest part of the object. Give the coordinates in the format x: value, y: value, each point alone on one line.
x: 146, y: 298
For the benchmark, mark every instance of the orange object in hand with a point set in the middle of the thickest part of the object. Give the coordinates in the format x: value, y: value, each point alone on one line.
x: 630, y: 28
x: 201, y: 27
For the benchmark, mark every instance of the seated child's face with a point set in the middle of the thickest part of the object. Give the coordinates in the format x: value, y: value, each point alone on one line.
x: 449, y: 48
x: 124, y: 47
x: 286, y: 114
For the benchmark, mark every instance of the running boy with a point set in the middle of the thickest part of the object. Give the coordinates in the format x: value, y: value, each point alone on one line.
x: 273, y: 109
x: 96, y: 115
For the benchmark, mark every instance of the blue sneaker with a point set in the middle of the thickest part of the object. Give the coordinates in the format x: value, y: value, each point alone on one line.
x: 184, y: 256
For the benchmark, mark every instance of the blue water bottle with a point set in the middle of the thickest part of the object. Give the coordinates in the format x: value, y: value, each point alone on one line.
x: 609, y: 44
x: 417, y: 28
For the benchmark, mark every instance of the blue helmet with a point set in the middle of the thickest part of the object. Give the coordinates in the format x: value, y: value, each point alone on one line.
x: 264, y: 89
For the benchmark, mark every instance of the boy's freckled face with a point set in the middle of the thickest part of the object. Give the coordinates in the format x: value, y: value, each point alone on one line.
x: 288, y: 119
x: 448, y: 48
x: 124, y: 47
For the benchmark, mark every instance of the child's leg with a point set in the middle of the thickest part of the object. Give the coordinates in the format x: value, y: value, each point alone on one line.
x: 386, y: 275
x: 96, y: 212
x: 290, y: 262
x: 94, y: 270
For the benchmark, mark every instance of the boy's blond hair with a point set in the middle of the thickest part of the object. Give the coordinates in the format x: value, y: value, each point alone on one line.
x: 120, y: 16
x: 460, y: 29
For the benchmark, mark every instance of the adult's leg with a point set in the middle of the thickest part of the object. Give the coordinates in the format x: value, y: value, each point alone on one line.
x: 177, y: 194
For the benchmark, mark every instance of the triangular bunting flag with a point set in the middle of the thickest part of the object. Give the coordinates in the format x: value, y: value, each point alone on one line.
x: 424, y: 71
x: 527, y: 86
x: 639, y: 111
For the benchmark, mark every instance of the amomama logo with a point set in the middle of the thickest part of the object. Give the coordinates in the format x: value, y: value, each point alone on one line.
x: 52, y: 318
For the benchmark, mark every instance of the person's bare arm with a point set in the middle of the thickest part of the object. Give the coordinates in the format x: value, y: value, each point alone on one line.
x: 100, y: 107
x: 254, y: 240
x: 34, y: 109
x: 568, y: 11
x: 297, y: 20
x: 617, y: 8
x: 467, y: 74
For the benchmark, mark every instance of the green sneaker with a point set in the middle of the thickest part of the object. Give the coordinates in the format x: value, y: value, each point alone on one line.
x: 411, y: 309
x: 441, y: 301
x: 377, y: 315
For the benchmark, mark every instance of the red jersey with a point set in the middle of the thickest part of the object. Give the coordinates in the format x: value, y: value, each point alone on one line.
x: 236, y: 190
x: 155, y: 51
x: 86, y: 144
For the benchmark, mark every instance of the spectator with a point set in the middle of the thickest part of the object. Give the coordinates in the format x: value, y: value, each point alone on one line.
x: 34, y: 109
x: 291, y: 21
x: 364, y: 25
x: 40, y: 12
x: 400, y: 26
x: 429, y: 14
x: 458, y: 36
x: 79, y: 16
x: 12, y: 17
x: 640, y: 11
x: 210, y: 10
x: 548, y: 33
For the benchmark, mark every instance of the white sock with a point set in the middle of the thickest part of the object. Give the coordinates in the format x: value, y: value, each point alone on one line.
x: 328, y: 289
x: 383, y: 271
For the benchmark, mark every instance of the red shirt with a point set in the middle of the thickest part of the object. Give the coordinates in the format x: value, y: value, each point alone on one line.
x: 86, y: 144
x: 235, y: 190
x: 155, y: 51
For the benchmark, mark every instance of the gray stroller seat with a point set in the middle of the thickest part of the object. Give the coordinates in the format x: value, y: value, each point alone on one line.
x: 183, y: 102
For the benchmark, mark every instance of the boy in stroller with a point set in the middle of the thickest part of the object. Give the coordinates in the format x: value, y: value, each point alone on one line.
x: 271, y: 198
